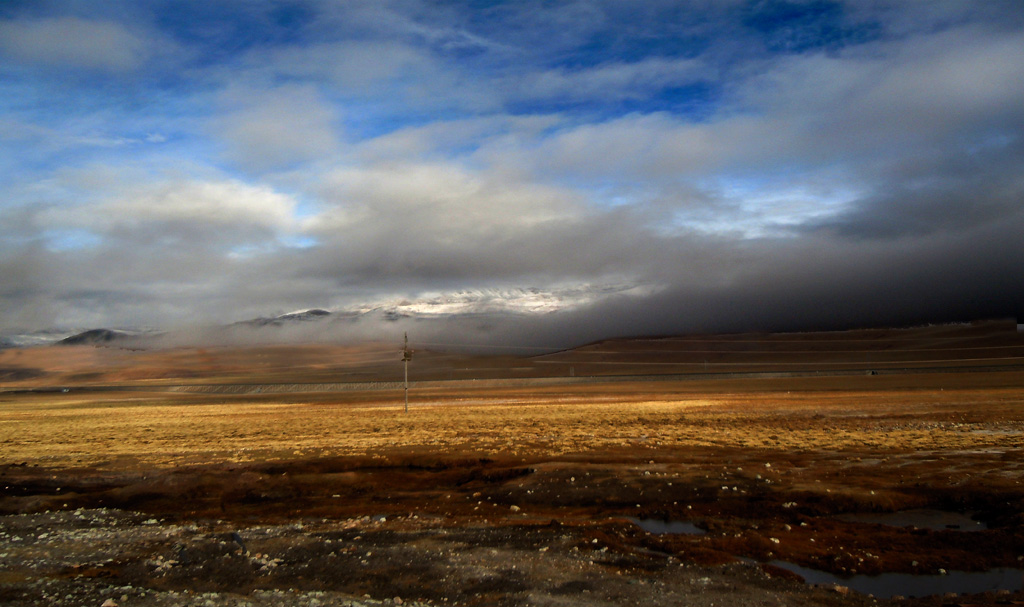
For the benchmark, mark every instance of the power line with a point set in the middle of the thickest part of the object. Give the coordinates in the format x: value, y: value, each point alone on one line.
x: 773, y: 363
x: 670, y: 352
x: 488, y: 346
x: 804, y: 340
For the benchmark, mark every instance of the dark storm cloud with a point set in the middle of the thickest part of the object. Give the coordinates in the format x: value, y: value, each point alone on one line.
x: 818, y: 285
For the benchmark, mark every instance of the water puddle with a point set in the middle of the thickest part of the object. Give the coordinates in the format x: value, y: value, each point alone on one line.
x: 938, y: 520
x: 888, y: 585
x: 660, y: 527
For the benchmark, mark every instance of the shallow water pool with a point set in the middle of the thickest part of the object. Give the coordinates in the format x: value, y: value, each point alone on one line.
x: 660, y: 527
x: 921, y: 518
x: 888, y: 585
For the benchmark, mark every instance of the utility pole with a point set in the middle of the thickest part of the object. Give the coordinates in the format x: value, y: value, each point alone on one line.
x: 406, y: 357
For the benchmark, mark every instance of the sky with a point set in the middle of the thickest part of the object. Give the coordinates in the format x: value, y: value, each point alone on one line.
x: 638, y: 167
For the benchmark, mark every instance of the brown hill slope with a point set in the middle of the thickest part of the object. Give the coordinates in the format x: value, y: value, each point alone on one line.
x: 983, y: 345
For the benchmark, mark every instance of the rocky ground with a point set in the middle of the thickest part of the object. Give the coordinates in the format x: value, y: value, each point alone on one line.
x: 412, y: 529
x: 110, y: 557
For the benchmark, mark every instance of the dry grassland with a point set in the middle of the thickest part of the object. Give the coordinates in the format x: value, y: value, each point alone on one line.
x: 500, y: 491
x: 168, y: 429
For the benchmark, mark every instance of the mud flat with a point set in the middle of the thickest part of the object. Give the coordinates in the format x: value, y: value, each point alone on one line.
x: 523, y: 494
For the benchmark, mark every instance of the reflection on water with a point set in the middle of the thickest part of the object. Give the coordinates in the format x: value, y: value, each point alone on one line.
x: 922, y: 519
x: 652, y: 525
x: 888, y: 585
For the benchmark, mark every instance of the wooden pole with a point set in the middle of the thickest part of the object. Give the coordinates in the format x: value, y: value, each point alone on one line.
x: 406, y: 357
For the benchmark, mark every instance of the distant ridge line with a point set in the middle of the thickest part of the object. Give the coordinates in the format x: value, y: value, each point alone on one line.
x: 286, y: 388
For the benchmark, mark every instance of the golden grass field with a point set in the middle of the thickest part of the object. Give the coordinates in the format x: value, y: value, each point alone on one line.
x: 895, y: 410
x: 162, y: 429
x: 571, y: 445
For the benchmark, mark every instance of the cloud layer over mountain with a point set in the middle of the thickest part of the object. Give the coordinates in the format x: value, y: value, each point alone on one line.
x: 726, y: 165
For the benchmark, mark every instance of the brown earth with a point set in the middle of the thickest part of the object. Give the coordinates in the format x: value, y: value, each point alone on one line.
x: 150, y: 482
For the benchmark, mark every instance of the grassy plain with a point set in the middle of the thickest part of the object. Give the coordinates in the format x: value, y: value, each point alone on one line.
x: 760, y: 455
x: 979, y: 412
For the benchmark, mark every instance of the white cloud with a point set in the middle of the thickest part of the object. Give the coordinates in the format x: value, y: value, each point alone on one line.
x: 282, y: 126
x: 199, y: 213
x: 447, y: 139
x: 442, y: 199
x: 887, y: 96
x: 641, y: 147
x: 383, y: 77
x: 358, y: 68
x: 610, y: 81
x: 74, y: 42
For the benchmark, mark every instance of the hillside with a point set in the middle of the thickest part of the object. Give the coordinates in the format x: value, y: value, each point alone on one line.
x: 977, y: 346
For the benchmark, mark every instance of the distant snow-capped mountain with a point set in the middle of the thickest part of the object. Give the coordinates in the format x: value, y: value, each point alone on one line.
x: 460, y: 303
x: 69, y: 337
x: 491, y: 301
x: 291, y: 317
x: 94, y: 337
x: 475, y: 303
